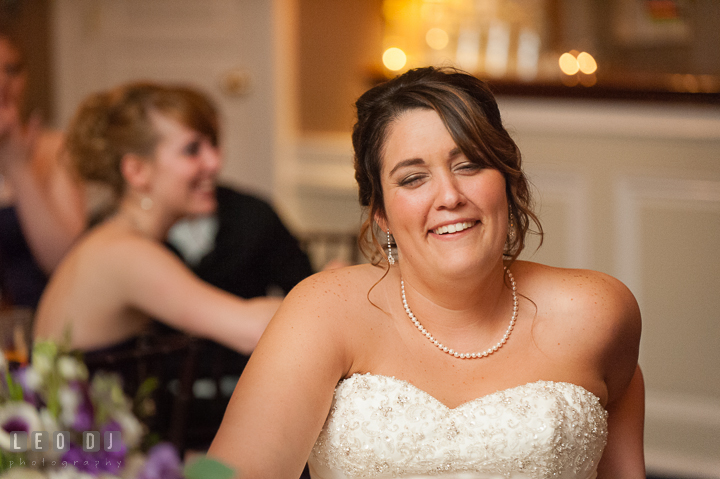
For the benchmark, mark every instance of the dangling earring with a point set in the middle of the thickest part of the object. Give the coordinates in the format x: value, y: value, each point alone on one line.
x: 391, y: 259
x: 511, y: 228
x: 146, y: 203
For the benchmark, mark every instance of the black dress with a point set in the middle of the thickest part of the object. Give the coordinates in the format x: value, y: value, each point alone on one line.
x: 21, y: 279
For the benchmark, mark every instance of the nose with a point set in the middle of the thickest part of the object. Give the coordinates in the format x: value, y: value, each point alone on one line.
x: 448, y: 195
x: 211, y: 158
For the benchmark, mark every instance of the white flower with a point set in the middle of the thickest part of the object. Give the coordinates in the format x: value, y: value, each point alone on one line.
x: 132, y: 429
x: 43, y: 364
x: 70, y: 368
x: 33, y: 380
x: 49, y: 424
x: 68, y: 472
x: 21, y: 410
x: 23, y: 473
x: 69, y: 402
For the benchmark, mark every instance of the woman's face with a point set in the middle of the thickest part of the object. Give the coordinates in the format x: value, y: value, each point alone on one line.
x: 184, y: 169
x: 447, y: 214
x: 12, y: 74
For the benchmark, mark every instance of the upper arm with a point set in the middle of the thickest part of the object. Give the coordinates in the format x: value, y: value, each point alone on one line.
x: 286, y: 390
x: 155, y: 281
x: 622, y: 327
x: 615, y: 342
x: 623, y: 455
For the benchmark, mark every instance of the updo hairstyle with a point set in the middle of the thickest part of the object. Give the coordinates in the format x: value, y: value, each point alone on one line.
x: 108, y: 125
x: 470, y: 113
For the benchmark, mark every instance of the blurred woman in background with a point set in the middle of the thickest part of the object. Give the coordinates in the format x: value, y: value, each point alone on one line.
x: 155, y: 148
x: 42, y: 209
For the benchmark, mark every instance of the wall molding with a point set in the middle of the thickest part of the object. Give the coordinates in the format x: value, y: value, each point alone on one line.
x: 617, y: 119
x: 631, y: 192
x: 570, y: 188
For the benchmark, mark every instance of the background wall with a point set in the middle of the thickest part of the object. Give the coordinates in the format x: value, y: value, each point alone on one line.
x: 227, y: 48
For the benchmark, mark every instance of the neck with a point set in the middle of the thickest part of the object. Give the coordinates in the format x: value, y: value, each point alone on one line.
x: 150, y: 223
x: 458, y: 300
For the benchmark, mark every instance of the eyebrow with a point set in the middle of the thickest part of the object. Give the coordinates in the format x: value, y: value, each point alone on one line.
x: 404, y: 163
x: 419, y: 161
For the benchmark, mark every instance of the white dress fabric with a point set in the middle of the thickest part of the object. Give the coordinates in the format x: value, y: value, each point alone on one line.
x: 382, y: 427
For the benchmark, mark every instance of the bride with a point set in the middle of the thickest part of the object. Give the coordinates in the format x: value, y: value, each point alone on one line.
x: 449, y: 357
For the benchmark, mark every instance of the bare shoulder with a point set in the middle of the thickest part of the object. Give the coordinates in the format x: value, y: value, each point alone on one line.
x: 587, y: 316
x: 326, y: 310
x: 337, y: 290
x: 578, y: 292
x: 105, y: 249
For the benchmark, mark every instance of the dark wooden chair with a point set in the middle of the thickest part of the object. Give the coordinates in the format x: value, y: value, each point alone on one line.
x: 170, y: 358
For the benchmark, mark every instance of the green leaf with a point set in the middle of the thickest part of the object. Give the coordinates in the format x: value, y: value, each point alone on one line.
x: 15, y: 389
x: 147, y: 387
x: 206, y: 468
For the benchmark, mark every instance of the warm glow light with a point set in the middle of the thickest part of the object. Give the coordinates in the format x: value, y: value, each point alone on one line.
x: 587, y: 63
x: 394, y: 59
x: 569, y: 64
x: 437, y: 38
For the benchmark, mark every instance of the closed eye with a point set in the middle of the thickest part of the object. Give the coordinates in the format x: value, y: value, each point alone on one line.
x: 468, y: 167
x: 192, y: 148
x: 411, y: 180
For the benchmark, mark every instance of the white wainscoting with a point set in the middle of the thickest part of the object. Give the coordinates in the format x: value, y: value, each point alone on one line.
x: 632, y: 190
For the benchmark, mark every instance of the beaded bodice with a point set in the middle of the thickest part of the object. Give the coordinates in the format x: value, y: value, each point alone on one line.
x: 380, y: 427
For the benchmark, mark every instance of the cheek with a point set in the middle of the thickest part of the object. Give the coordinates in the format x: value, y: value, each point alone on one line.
x: 404, y: 207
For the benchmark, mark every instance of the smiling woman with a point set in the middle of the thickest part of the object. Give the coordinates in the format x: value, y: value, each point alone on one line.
x: 155, y: 148
x: 442, y: 362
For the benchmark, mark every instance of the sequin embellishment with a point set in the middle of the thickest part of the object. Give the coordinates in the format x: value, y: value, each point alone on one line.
x: 380, y: 426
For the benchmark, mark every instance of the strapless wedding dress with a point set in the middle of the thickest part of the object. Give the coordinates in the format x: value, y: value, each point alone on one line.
x: 381, y: 427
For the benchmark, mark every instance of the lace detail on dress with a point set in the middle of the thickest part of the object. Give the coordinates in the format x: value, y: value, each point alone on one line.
x: 382, y: 426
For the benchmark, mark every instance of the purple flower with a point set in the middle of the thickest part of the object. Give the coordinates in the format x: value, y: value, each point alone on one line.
x: 76, y: 407
x: 16, y: 424
x: 20, y: 376
x: 163, y: 462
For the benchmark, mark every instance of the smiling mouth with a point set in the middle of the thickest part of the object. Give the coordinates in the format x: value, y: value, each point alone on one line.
x: 455, y: 228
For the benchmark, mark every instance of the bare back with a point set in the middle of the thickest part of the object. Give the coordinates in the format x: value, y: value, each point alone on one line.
x: 88, y: 294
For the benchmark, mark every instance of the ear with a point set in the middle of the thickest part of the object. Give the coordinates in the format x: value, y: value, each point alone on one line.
x: 137, y: 171
x: 381, y: 221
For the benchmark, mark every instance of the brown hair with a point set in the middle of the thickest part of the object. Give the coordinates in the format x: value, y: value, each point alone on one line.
x: 470, y: 113
x: 111, y: 124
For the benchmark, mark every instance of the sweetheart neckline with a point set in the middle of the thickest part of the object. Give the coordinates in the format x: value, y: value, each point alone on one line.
x: 480, y: 398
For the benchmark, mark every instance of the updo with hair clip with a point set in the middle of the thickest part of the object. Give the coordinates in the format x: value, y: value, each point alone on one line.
x: 108, y: 125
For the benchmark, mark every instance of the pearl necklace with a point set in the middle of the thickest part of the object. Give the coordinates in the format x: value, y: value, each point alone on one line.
x: 445, y: 349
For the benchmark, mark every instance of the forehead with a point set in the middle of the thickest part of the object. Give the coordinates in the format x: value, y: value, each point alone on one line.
x: 168, y: 128
x: 416, y: 133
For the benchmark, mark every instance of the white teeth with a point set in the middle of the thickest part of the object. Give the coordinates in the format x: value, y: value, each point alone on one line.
x: 456, y: 228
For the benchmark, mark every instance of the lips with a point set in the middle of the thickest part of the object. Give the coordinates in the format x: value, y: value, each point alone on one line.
x: 204, y: 186
x: 454, y: 228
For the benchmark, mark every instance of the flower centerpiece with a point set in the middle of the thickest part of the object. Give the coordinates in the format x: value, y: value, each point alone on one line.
x: 56, y: 422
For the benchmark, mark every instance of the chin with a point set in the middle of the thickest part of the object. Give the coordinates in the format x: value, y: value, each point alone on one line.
x: 204, y: 208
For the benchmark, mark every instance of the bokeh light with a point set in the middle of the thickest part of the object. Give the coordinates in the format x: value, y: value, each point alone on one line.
x: 437, y: 38
x: 394, y: 59
x: 568, y: 64
x: 587, y: 63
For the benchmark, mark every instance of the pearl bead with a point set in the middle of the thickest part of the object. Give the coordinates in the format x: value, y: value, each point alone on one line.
x: 456, y: 354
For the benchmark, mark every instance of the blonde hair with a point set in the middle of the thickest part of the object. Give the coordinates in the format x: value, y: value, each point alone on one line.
x: 110, y: 124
